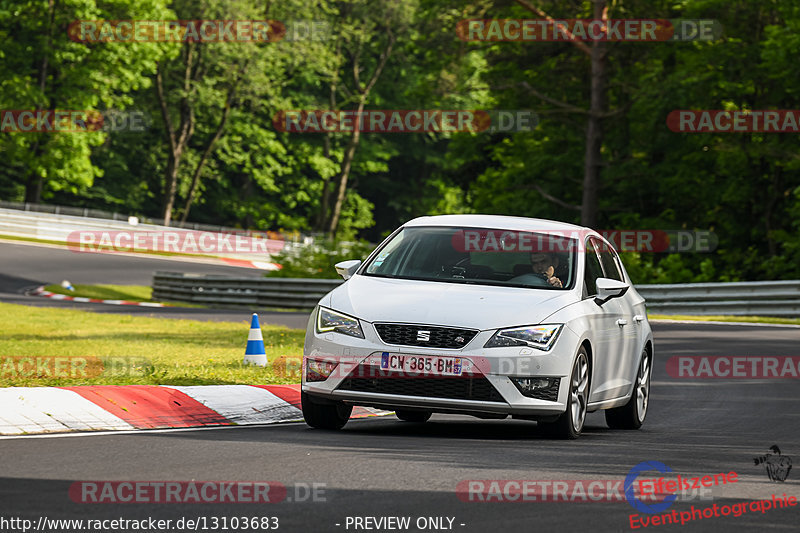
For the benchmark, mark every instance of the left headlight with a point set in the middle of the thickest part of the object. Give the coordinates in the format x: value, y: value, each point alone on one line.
x: 541, y: 337
x: 330, y: 320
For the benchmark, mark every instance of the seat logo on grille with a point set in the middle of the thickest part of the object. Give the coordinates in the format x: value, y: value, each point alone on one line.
x: 423, y: 335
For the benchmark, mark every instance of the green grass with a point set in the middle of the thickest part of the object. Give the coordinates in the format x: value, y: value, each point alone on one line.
x: 161, y: 351
x: 132, y: 293
x: 726, y: 318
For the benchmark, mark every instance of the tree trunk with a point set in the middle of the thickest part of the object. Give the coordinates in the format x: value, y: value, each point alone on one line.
x: 207, y: 152
x: 177, y: 141
x: 170, y: 186
x: 347, y: 164
x: 364, y: 91
x: 33, y: 188
x: 35, y: 181
x: 594, y: 132
x: 322, y: 216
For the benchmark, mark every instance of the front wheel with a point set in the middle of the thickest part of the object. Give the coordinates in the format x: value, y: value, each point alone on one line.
x: 570, y: 424
x: 333, y: 415
x: 631, y: 415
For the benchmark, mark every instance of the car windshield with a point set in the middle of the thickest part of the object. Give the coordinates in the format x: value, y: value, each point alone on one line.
x: 482, y: 256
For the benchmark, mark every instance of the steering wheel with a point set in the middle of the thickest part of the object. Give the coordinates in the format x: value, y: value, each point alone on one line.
x: 531, y: 278
x: 457, y: 270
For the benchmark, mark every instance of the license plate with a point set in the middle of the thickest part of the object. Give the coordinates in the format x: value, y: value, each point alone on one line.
x: 421, y: 364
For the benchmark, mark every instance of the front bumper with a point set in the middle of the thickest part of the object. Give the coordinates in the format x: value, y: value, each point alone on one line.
x: 485, y: 386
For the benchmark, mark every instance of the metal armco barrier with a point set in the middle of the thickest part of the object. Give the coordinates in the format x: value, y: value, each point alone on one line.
x: 64, y: 228
x: 60, y: 223
x: 224, y: 291
x: 760, y: 298
x: 35, y: 213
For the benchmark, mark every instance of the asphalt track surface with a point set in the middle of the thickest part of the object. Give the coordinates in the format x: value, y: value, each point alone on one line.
x: 382, y: 467
x: 24, y: 267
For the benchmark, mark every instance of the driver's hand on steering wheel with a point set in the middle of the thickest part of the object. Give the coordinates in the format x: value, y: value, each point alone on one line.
x: 550, y: 278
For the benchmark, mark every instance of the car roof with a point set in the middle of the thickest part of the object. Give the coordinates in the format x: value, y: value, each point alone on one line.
x: 497, y: 222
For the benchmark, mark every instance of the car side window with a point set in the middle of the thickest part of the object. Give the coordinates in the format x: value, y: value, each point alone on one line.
x: 593, y: 269
x: 609, y: 261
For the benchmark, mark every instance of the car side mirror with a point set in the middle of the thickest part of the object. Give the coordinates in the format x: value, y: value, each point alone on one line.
x: 609, y: 288
x: 346, y: 269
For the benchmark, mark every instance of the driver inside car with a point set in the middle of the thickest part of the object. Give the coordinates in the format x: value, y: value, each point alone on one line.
x: 545, y: 264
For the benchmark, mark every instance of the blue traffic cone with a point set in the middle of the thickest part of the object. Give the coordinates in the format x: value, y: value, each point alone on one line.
x: 255, y: 354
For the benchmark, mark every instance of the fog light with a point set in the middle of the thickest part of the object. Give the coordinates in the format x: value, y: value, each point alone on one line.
x: 539, y: 388
x: 319, y: 370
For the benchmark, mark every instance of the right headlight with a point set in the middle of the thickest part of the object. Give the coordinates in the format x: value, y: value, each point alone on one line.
x: 540, y: 337
x: 330, y: 320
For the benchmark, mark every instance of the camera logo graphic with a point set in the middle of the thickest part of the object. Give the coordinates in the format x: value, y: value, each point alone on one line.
x: 778, y: 466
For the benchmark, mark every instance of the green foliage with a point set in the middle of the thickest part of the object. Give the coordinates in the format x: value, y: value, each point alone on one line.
x: 41, y: 68
x: 317, y: 259
x: 673, y: 268
x: 745, y: 187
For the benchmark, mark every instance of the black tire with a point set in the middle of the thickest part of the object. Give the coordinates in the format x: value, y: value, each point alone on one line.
x: 570, y: 424
x: 319, y: 415
x: 632, y: 414
x: 413, y: 416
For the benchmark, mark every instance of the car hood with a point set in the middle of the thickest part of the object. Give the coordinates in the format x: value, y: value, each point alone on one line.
x: 449, y: 304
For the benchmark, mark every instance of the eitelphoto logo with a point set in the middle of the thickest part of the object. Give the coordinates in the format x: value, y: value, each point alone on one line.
x: 630, y: 489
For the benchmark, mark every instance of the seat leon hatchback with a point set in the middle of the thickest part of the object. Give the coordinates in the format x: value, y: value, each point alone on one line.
x: 489, y: 316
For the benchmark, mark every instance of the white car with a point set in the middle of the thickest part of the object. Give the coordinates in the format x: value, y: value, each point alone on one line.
x: 482, y: 315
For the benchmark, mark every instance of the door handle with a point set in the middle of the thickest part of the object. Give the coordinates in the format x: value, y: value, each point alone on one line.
x: 621, y: 322
x: 638, y: 318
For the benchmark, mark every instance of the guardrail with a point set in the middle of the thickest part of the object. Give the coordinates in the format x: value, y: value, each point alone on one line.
x: 760, y: 298
x: 224, y: 291
x: 65, y: 228
x: 99, y: 216
x: 757, y: 298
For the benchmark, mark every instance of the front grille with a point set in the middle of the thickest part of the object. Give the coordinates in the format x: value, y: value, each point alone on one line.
x: 472, y: 387
x: 416, y: 335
